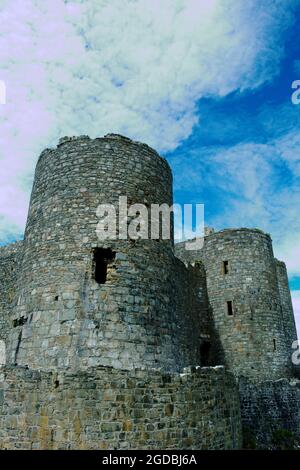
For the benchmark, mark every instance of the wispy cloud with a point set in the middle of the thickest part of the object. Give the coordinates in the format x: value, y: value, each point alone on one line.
x: 251, y: 185
x: 137, y: 67
x: 246, y: 187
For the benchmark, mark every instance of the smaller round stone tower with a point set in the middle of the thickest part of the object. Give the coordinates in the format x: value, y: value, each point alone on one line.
x: 245, y: 300
x: 249, y: 302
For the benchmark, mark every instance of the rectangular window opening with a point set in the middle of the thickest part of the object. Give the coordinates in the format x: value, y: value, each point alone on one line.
x: 229, y: 308
x: 102, y: 258
x: 274, y: 344
x: 225, y: 267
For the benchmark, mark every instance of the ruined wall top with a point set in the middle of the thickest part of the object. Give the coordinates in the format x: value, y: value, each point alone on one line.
x: 11, y: 248
x: 109, y: 138
x: 231, y: 231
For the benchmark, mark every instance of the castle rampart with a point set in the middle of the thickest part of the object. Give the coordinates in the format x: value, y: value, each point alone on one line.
x: 106, y: 408
x: 120, y: 343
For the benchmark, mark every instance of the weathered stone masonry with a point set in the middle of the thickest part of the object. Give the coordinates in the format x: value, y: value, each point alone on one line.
x: 97, y: 333
x: 257, y: 336
x: 8, y: 266
x: 107, y: 408
x: 269, y: 408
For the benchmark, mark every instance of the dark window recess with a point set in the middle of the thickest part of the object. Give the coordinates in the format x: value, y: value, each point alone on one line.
x: 19, y: 321
x: 205, y: 353
x: 229, y: 307
x: 274, y: 344
x: 56, y: 298
x: 18, y: 347
x: 225, y: 267
x: 102, y: 258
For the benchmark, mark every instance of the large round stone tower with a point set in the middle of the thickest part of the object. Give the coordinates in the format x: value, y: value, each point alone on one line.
x: 83, y: 302
x: 246, y: 306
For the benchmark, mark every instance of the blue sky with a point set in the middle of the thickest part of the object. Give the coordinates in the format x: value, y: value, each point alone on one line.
x: 237, y: 159
x: 205, y: 82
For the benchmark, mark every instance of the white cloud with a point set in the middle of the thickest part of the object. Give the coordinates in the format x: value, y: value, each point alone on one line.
x: 136, y: 67
x: 288, y: 247
x: 289, y: 147
x: 256, y: 185
x: 246, y: 179
x: 250, y: 174
x: 9, y: 230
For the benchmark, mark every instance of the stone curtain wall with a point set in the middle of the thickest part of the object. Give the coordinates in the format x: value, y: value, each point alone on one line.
x: 187, y: 256
x: 194, y: 325
x: 9, y: 260
x: 107, y: 408
x: 193, y: 305
x: 70, y: 321
x: 270, y: 413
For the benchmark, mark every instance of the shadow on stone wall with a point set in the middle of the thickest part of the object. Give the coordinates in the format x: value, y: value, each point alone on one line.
x: 270, y: 414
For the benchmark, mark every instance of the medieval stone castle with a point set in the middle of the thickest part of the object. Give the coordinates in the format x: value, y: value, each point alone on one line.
x: 138, y: 344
